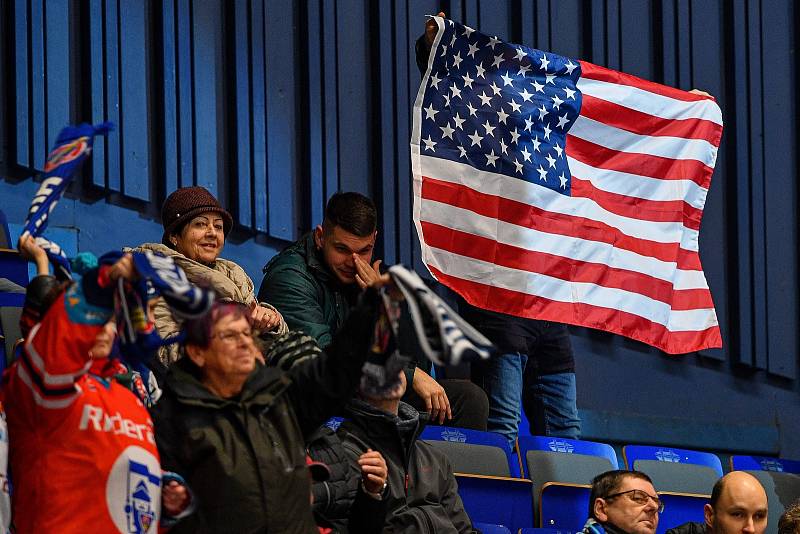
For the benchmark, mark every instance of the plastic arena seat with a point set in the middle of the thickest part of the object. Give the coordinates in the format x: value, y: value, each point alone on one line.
x: 680, y: 508
x: 782, y: 490
x: 675, y: 470
x: 473, y: 451
x: 497, y: 500
x: 764, y: 463
x: 533, y: 530
x: 487, y: 528
x: 13, y: 281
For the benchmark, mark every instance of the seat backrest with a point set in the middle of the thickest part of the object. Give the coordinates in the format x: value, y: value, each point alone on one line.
x: 764, y: 463
x: 782, y: 490
x: 535, y: 530
x: 487, y: 528
x: 5, y: 235
x: 675, y: 477
x: 566, y: 446
x: 633, y: 453
x: 473, y: 451
x: 563, y: 506
x: 496, y: 500
x: 680, y: 508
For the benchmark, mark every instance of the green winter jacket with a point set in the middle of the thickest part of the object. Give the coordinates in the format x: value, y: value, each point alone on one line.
x: 307, y: 294
x: 244, y: 458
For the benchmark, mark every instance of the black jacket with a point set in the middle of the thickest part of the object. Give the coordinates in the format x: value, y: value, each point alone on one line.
x: 422, y: 494
x: 689, y: 528
x: 244, y: 457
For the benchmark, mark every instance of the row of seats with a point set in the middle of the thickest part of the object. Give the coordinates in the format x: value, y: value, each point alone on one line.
x: 545, y: 481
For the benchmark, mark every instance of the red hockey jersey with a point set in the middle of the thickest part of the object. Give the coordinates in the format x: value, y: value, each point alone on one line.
x: 82, y: 449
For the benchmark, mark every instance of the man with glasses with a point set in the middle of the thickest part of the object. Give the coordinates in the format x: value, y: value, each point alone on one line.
x: 738, y: 505
x: 623, y: 502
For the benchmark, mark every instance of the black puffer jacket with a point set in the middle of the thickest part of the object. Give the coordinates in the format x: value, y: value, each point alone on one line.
x: 689, y: 528
x: 340, y: 503
x: 244, y: 457
x: 422, y: 494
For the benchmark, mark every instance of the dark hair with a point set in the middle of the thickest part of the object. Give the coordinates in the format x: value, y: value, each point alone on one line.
x: 789, y: 523
x: 198, y: 330
x: 352, y: 212
x: 608, y: 483
x: 716, y: 492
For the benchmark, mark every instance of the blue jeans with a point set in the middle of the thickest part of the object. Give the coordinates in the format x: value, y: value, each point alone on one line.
x: 549, y: 400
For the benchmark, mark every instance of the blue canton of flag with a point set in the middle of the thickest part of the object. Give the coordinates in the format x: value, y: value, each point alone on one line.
x: 500, y: 108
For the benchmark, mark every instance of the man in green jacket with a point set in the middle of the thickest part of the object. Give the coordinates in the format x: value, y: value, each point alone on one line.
x: 315, y: 280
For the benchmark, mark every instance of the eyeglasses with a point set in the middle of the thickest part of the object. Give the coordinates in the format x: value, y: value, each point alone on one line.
x: 232, y: 336
x: 639, y: 497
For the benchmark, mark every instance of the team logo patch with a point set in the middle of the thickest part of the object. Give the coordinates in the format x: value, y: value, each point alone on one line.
x: 133, y: 491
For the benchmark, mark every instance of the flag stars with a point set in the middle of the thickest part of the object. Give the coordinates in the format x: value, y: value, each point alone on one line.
x: 514, y: 136
x: 539, y: 88
x: 502, y: 116
x: 557, y: 102
x: 497, y: 60
x: 536, y: 143
x: 455, y: 90
x: 570, y: 93
x: 457, y: 60
x: 491, y: 158
x: 430, y: 113
x: 467, y: 31
x: 472, y: 110
x: 526, y: 155
x: 494, y: 88
x: 523, y: 69
x: 551, y: 161
x: 520, y: 53
x: 506, y: 79
x: 563, y: 180
x: 489, y: 128
x: 475, y: 138
x: 467, y: 80
x: 480, y: 71
x: 542, y: 112
x: 444, y: 51
x: 549, y: 78
x: 547, y: 131
x: 529, y: 122
x: 429, y: 144
x: 562, y: 121
x: 544, y: 62
x: 435, y: 81
x: 453, y: 40
x: 447, y: 131
x: 493, y: 41
x: 570, y: 66
x: 526, y: 96
x: 514, y: 106
x: 542, y: 173
x: 503, y: 146
x: 446, y: 100
x: 462, y: 153
x: 472, y: 49
x: 559, y: 150
x: 518, y: 165
x: 458, y: 121
x: 485, y: 99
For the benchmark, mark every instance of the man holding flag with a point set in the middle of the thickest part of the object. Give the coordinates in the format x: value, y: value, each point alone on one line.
x: 555, y: 190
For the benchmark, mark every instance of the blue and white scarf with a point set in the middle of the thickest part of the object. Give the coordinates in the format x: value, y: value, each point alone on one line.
x: 73, y: 146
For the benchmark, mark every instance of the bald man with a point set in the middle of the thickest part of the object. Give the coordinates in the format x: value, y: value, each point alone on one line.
x: 738, y: 506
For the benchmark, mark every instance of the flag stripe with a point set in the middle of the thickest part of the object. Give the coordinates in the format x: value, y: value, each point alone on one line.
x: 556, y: 206
x: 647, y: 210
x: 648, y: 97
x: 638, y: 186
x: 646, y: 124
x: 494, y: 251
x: 602, y: 317
x: 654, y: 166
x: 572, y: 292
x: 569, y: 247
x: 673, y: 148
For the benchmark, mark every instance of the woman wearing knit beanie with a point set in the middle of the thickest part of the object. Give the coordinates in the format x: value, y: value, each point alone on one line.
x: 195, y: 226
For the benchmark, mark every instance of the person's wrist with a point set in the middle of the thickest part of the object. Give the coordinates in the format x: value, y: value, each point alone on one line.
x: 375, y: 495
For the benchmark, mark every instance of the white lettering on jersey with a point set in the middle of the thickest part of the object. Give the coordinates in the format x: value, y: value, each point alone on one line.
x: 95, y: 418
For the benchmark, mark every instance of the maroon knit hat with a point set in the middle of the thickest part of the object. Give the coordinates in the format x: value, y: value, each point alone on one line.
x: 186, y: 203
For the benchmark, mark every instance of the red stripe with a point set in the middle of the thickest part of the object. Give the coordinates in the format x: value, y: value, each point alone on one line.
x: 641, y: 123
x: 527, y: 216
x: 608, y: 319
x: 639, y: 208
x: 568, y: 269
x: 641, y: 164
x: 596, y: 72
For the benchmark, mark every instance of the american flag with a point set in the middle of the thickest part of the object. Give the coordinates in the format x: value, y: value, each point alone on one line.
x: 555, y: 189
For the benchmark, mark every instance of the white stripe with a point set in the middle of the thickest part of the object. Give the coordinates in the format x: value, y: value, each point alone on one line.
x: 558, y: 245
x: 547, y: 199
x: 635, y: 185
x: 651, y: 103
x: 571, y: 292
x: 39, y: 365
x: 624, y: 141
x: 51, y: 404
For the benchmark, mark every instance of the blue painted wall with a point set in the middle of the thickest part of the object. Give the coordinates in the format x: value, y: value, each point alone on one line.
x: 275, y: 104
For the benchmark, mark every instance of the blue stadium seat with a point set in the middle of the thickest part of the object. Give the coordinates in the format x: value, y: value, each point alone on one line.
x: 497, y: 500
x: 764, y: 463
x: 473, y: 451
x: 680, y: 508
x: 487, y: 528
x: 634, y: 453
x: 13, y: 281
x: 567, y: 446
x: 533, y: 530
